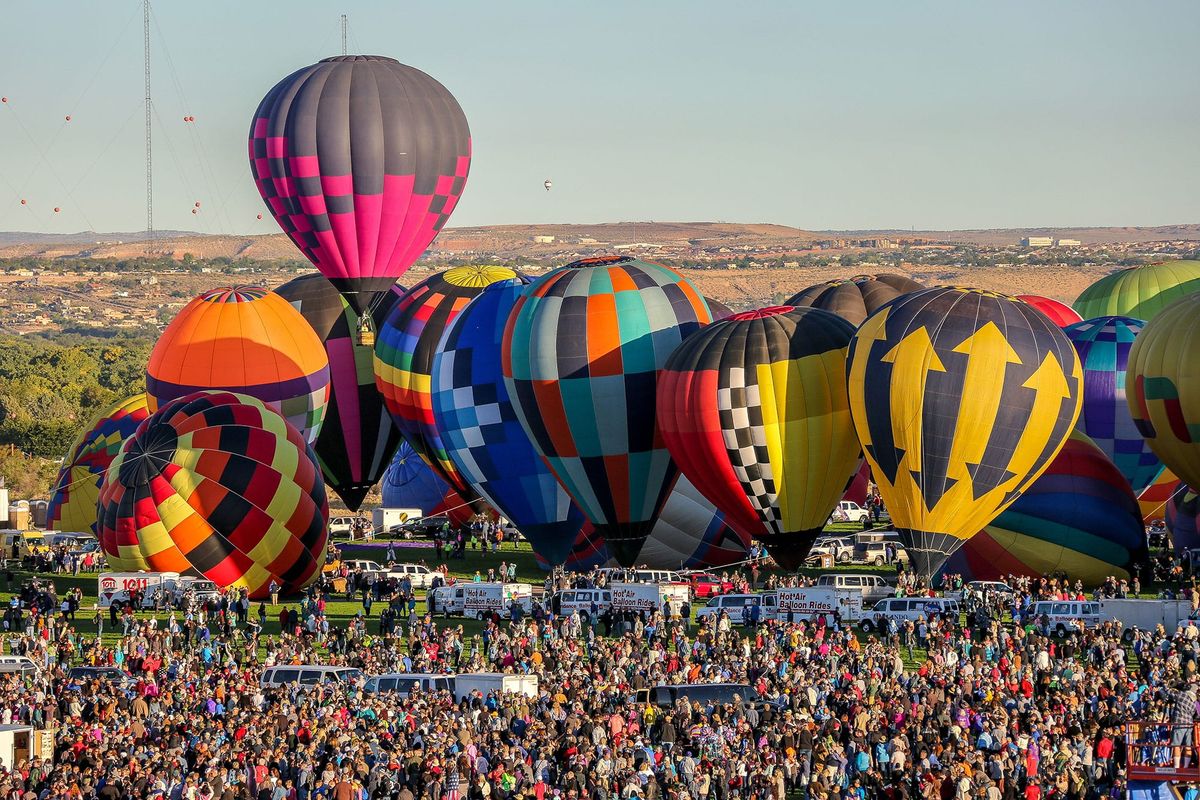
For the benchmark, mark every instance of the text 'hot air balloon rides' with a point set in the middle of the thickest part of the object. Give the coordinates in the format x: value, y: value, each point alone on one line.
x: 482, y: 434
x: 219, y: 486
x: 361, y: 160
x: 583, y: 350
x: 754, y: 411
x: 357, y: 438
x: 243, y: 339
x: 1163, y: 387
x: 1103, y: 345
x: 404, y: 353
x: 961, y: 399
x: 73, y: 503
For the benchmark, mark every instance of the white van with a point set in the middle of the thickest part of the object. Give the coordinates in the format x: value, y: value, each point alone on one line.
x: 617, y: 574
x: 406, y: 682
x: 646, y: 598
x: 479, y: 600
x: 22, y: 664
x: 1064, y: 616
x: 580, y: 601
x: 738, y: 606
x: 307, y: 675
x: 872, y: 587
x: 908, y: 609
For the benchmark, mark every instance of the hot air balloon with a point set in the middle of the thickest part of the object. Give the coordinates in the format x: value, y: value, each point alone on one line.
x: 481, y: 432
x: 548, y: 184
x: 1103, y: 345
x: 582, y: 353
x: 361, y: 160
x: 358, y: 437
x: 718, y: 310
x: 1163, y: 387
x: 754, y: 412
x: 73, y: 503
x: 689, y: 534
x: 243, y: 339
x: 961, y: 399
x: 1079, y: 518
x: 404, y: 353
x: 854, y: 299
x: 219, y: 486
x: 410, y: 483
x: 1139, y: 292
x: 1060, y: 314
x: 1183, y: 518
x: 1154, y: 498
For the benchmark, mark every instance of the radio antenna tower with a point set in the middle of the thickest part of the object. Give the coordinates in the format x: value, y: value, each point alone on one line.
x: 149, y: 112
x: 343, y: 33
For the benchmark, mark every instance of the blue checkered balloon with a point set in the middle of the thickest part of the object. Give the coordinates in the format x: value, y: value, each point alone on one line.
x: 481, y: 431
x: 1103, y: 345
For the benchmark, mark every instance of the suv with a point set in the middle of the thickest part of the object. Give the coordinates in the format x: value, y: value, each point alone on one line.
x: 341, y: 526
x: 877, y: 553
x: 420, y: 575
x: 907, y: 609
x: 841, y: 548
x: 849, y: 511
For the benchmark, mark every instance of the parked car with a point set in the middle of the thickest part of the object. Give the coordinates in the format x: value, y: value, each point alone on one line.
x: 907, y: 609
x: 341, y: 526
x: 848, y: 511
x: 420, y: 575
x: 876, y: 553
x: 705, y: 584
x: 307, y: 675
x: 840, y: 547
x: 425, y: 527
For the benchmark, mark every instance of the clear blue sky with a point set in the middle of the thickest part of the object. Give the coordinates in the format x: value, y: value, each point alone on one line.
x: 821, y: 115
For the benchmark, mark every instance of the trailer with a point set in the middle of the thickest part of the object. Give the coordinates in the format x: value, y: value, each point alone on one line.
x: 1146, y: 615
x: 479, y: 600
x: 646, y: 598
x: 384, y: 520
x: 118, y: 587
x: 486, y: 682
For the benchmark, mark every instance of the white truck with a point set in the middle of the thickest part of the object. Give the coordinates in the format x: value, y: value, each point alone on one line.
x: 384, y: 519
x: 1146, y: 615
x: 648, y: 597
x: 465, y: 683
x: 808, y: 602
x: 479, y: 600
x: 117, y: 587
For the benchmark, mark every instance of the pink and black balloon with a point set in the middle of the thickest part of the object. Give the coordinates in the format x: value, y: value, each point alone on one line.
x: 361, y: 160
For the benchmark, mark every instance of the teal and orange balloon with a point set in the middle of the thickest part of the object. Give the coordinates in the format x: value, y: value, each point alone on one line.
x: 583, y: 351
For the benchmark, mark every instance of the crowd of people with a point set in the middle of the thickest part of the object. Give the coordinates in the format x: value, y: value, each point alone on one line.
x: 985, y: 709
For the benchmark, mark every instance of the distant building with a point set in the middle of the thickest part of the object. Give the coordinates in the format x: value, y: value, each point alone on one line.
x: 1037, y: 241
x: 1068, y: 243
x: 542, y: 239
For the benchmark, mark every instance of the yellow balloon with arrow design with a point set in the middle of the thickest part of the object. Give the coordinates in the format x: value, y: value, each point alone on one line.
x: 961, y: 399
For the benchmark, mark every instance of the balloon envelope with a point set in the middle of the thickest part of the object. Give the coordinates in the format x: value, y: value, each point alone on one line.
x: 411, y: 483
x: 1154, y: 498
x: 482, y: 434
x: 1103, y: 345
x: 1139, y: 292
x: 1079, y: 517
x: 1183, y: 518
x: 1163, y: 387
x: 854, y: 299
x: 1060, y: 314
x: 754, y: 411
x: 582, y: 353
x: 961, y: 398
x: 361, y: 160
x: 73, y: 502
x: 404, y: 352
x: 248, y: 340
x: 357, y: 437
x: 218, y: 486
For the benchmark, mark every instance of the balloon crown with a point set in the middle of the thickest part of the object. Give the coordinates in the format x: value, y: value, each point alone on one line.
x: 233, y: 294
x: 600, y: 261
x: 340, y: 59
x: 761, y: 313
x: 149, y: 451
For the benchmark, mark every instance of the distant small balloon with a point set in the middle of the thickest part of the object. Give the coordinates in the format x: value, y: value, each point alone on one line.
x: 194, y: 211
x: 3, y: 99
x: 68, y: 117
x: 197, y: 204
x: 22, y: 202
x: 191, y: 119
x: 548, y: 184
x: 260, y: 216
x: 57, y: 209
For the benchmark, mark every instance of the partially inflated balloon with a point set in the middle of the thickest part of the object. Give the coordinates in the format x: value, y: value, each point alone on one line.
x: 1163, y: 387
x: 411, y: 483
x: 404, y: 355
x: 1139, y: 292
x: 582, y: 354
x: 1154, y: 498
x: 358, y: 437
x: 961, y: 399
x: 219, y: 486
x: 854, y: 299
x: 481, y: 431
x: 361, y: 160
x: 1060, y: 313
x: 243, y: 339
x: 689, y: 534
x: 753, y: 410
x: 1103, y: 345
x: 1183, y: 518
x: 1079, y: 517
x: 718, y: 309
x: 73, y: 503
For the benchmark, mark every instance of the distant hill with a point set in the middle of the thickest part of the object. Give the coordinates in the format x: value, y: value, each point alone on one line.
x: 519, y: 240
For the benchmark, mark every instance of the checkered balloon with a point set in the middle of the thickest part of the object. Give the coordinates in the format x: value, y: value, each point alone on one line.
x: 219, y: 486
